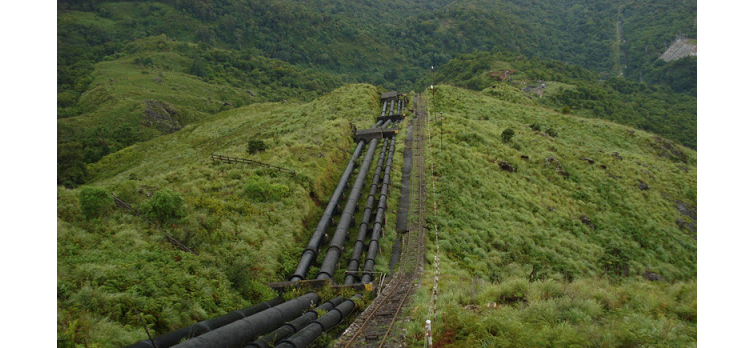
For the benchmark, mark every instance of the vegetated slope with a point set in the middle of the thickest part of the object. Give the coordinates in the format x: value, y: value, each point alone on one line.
x: 547, y: 239
x: 646, y: 39
x: 572, y: 89
x: 387, y: 42
x: 156, y: 86
x: 247, y: 224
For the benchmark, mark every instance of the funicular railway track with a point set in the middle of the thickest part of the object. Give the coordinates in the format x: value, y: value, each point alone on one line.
x: 376, y: 326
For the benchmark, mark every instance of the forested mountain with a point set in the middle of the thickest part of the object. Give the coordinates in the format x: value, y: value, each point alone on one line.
x: 316, y: 45
x: 571, y: 89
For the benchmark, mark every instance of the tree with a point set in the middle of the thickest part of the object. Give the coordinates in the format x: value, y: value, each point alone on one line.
x: 255, y: 145
x: 94, y: 201
x: 507, y: 135
x: 164, y: 206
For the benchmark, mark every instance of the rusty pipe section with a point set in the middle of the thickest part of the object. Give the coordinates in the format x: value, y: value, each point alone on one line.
x: 239, y: 332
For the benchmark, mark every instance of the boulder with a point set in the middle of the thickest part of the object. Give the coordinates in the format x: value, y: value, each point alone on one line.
x: 643, y: 186
x: 506, y: 166
x: 652, y: 276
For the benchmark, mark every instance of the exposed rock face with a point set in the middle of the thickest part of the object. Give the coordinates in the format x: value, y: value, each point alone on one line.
x: 652, y: 276
x: 586, y: 220
x: 506, y: 166
x: 679, y: 49
x: 667, y: 149
x: 643, y: 186
x: 689, y: 212
x: 161, y: 116
x: 557, y: 164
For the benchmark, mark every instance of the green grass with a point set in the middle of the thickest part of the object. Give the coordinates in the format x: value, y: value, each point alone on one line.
x: 111, y: 265
x: 515, y: 241
x: 521, y: 234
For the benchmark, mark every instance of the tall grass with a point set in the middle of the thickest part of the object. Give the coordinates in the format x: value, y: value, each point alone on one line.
x: 557, y: 248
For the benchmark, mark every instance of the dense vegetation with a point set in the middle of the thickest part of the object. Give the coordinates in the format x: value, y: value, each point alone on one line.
x: 157, y: 53
x: 556, y: 250
x: 156, y: 86
x: 654, y: 108
x: 246, y: 224
x: 552, y: 221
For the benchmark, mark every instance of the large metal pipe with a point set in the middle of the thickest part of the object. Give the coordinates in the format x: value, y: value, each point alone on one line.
x: 356, y: 254
x: 237, y: 333
x: 310, y: 252
x: 309, y: 334
x: 385, y: 104
x: 294, y: 326
x: 392, y: 101
x: 369, y: 262
x: 339, y: 236
x: 171, y: 338
x: 404, y: 200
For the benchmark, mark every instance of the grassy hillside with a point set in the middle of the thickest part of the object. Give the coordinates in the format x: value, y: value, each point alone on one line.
x: 156, y: 86
x: 247, y: 225
x: 554, y: 252
x: 572, y: 89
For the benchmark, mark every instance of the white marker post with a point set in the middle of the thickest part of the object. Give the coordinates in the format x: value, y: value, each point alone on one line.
x: 429, y: 334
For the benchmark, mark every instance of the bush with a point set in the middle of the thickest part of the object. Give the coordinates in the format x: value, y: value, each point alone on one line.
x: 255, y: 145
x: 258, y: 189
x: 551, y: 132
x: 535, y: 126
x: 565, y: 110
x: 507, y: 135
x: 164, y: 206
x: 94, y: 201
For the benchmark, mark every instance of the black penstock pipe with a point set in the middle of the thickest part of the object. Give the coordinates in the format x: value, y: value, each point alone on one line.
x: 171, y: 338
x: 310, y: 252
x: 369, y: 263
x: 309, y: 334
x: 293, y: 326
x: 339, y: 236
x: 356, y: 254
x: 406, y: 175
x: 237, y: 333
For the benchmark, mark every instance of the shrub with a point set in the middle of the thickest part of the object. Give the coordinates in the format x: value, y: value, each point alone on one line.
x: 258, y: 189
x: 94, y: 201
x: 255, y: 145
x: 535, y: 126
x: 551, y: 132
x: 163, y: 207
x: 565, y: 110
x: 507, y: 135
